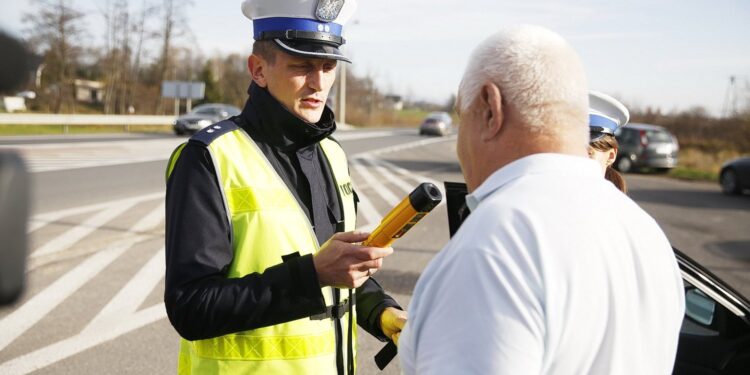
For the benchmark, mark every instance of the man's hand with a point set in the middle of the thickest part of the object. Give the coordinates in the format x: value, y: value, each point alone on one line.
x: 392, y: 321
x: 342, y: 263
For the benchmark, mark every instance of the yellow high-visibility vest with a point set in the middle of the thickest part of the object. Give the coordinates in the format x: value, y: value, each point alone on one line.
x: 268, y: 223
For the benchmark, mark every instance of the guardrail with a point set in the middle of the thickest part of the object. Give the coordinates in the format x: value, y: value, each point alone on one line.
x: 72, y: 120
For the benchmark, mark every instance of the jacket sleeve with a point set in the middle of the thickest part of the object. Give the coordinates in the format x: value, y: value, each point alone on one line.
x: 371, y: 301
x: 201, y: 302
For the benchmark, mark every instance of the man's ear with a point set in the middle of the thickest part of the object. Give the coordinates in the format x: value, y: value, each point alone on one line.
x: 257, y: 67
x: 493, y: 115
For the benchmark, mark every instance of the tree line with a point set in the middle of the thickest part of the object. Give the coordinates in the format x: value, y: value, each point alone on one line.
x: 142, y: 44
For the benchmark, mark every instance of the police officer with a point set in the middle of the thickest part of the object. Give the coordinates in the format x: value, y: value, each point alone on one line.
x: 260, y: 213
x: 606, y: 115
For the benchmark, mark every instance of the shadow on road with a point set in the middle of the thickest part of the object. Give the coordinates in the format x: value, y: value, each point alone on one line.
x: 691, y: 198
x: 398, y: 282
x: 735, y: 250
x: 427, y: 165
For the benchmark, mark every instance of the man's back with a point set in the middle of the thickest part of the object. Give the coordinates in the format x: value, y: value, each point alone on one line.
x: 554, y: 272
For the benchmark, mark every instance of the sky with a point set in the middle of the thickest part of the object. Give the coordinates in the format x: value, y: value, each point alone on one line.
x: 674, y: 55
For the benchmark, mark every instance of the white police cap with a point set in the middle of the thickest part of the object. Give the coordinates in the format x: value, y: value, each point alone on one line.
x: 308, y: 28
x: 606, y: 114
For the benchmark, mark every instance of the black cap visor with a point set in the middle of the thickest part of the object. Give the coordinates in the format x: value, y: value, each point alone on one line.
x: 311, y: 49
x: 596, y: 133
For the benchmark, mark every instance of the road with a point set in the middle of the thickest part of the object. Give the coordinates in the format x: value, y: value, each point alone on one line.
x: 95, y: 275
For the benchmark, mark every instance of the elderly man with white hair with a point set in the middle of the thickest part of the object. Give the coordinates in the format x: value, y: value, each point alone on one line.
x: 555, y: 271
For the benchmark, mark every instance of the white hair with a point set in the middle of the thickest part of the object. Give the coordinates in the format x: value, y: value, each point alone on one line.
x: 538, y: 74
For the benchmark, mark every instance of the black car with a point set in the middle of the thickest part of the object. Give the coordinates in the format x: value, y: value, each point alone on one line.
x: 735, y: 176
x: 202, y: 116
x: 645, y: 146
x: 715, y: 334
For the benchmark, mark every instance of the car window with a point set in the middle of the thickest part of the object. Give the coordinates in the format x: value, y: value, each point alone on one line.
x: 205, y: 111
x: 699, y: 312
x: 626, y: 136
x: 658, y: 136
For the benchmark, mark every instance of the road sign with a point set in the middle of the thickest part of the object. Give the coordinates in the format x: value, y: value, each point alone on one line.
x: 183, y: 89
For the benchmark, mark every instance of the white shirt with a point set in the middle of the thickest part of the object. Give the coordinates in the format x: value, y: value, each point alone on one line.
x: 554, y: 272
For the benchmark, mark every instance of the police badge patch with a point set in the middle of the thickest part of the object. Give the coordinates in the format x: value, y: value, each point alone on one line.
x: 328, y: 10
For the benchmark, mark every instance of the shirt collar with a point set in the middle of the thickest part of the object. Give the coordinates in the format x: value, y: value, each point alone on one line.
x: 551, y: 164
x: 270, y: 121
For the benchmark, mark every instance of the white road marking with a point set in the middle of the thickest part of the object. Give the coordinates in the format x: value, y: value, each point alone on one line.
x: 411, y: 175
x: 404, y: 146
x: 75, y: 234
x: 388, y: 174
x: 365, y: 207
x: 49, y: 157
x: 75, y: 155
x: 119, y: 316
x: 69, y: 347
x: 42, y: 219
x: 350, y: 136
x: 126, y: 302
x: 374, y: 183
x: 36, y: 308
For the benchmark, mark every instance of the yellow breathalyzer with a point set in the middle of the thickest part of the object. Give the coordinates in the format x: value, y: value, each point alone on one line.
x: 393, y: 226
x: 405, y: 215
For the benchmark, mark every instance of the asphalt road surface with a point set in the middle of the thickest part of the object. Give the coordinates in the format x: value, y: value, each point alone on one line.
x: 93, y: 302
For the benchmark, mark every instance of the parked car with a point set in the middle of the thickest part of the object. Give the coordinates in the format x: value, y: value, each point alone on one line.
x: 735, y: 176
x: 646, y: 146
x: 202, y: 116
x: 436, y: 123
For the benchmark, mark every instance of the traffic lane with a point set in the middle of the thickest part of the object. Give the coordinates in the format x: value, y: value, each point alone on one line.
x: 79, y: 138
x: 412, y: 252
x: 708, y: 226
x: 354, y: 146
x: 54, y: 190
x: 57, y: 190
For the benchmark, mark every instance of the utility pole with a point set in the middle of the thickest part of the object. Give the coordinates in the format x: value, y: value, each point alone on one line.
x: 729, y: 108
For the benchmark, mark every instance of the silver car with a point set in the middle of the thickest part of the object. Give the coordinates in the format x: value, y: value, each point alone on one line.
x: 646, y: 146
x: 436, y: 123
x: 202, y: 116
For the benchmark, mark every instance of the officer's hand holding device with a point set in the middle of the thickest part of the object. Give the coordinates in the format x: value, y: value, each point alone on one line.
x: 342, y: 263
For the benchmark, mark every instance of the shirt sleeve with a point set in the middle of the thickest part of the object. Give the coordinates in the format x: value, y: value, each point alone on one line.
x: 201, y: 302
x: 483, y: 319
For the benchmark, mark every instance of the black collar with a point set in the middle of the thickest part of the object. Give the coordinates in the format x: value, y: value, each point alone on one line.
x: 268, y: 121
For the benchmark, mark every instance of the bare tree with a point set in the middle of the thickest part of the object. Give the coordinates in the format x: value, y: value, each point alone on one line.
x: 175, y: 24
x: 55, y: 30
x: 141, y: 34
x: 117, y: 54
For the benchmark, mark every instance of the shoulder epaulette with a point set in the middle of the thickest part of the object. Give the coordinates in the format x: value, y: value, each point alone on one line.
x: 210, y: 133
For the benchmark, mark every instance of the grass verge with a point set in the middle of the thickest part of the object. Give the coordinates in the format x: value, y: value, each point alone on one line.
x: 693, y: 174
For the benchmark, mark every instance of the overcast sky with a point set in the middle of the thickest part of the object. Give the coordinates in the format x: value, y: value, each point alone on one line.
x: 669, y: 54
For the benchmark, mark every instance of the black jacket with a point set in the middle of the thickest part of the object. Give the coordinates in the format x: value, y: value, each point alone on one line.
x: 201, y: 302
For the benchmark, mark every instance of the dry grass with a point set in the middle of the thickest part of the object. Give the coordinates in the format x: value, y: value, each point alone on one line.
x: 706, y: 161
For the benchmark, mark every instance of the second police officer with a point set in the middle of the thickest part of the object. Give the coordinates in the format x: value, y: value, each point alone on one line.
x: 260, y: 216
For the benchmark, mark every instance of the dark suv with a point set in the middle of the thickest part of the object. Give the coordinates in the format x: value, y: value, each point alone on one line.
x: 646, y: 146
